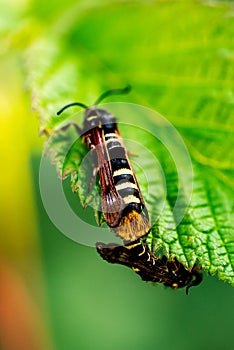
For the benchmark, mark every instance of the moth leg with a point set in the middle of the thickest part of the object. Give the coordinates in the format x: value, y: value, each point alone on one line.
x: 78, y: 129
x: 87, y: 139
x: 63, y: 128
x: 130, y: 154
x: 91, y: 174
x: 94, y: 174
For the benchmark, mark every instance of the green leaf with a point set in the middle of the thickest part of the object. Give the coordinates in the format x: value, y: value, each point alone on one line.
x: 178, y: 56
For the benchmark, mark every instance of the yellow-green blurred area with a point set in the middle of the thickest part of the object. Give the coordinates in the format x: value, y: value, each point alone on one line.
x: 179, y: 56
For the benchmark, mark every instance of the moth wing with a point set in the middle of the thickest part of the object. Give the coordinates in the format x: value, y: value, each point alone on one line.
x: 112, y: 203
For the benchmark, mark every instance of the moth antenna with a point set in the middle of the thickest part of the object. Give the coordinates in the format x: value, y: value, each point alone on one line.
x: 70, y: 105
x: 125, y: 90
x: 195, y: 282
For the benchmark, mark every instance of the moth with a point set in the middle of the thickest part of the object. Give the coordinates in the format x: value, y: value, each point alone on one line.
x: 138, y: 257
x: 122, y: 203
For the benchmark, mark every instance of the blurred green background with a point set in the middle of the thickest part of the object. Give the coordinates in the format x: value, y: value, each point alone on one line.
x: 178, y: 55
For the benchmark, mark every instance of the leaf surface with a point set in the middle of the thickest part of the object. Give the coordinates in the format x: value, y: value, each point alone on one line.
x: 178, y: 56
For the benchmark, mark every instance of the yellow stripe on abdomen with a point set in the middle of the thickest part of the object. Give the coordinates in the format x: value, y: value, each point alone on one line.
x: 122, y: 171
x: 131, y: 199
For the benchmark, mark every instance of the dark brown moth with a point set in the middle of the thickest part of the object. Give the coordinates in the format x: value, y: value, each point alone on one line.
x: 122, y: 203
x: 138, y: 257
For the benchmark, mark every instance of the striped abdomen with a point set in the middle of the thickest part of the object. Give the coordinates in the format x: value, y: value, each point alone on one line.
x: 122, y: 173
